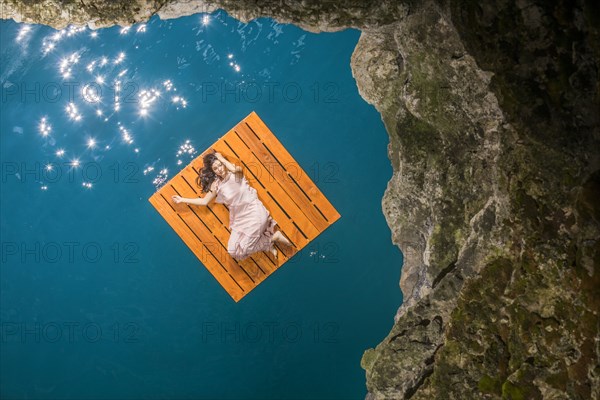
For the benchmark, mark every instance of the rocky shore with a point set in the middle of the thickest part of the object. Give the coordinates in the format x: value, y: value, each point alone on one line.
x: 493, y: 111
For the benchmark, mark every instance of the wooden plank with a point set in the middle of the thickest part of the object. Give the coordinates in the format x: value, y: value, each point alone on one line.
x: 291, y: 187
x: 183, y: 210
x: 207, y: 253
x: 218, y: 225
x: 285, y: 158
x: 259, y: 172
x: 264, y: 261
x: 293, y: 200
x: 186, y: 215
x: 199, y: 250
x: 177, y: 222
x: 201, y: 228
x: 286, y: 226
x: 256, y: 265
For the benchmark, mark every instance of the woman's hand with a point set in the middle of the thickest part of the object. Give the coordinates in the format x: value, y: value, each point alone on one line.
x: 177, y: 199
x: 230, y: 167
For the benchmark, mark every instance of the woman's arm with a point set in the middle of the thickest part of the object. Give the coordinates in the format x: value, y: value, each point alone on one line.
x: 199, y: 201
x: 228, y: 165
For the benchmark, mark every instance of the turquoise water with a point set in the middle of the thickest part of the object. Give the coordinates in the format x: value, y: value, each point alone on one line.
x: 99, y: 297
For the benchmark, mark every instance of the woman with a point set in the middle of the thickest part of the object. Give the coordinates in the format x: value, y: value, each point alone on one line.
x: 252, y: 228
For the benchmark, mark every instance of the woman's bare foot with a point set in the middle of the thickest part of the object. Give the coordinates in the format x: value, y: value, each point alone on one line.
x: 274, y: 252
x: 278, y: 237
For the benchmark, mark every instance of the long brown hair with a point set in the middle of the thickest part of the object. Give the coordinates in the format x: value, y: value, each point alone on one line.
x: 207, y: 175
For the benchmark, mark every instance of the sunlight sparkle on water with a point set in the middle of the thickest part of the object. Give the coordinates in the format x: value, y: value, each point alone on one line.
x: 161, y: 178
x: 102, y: 69
x: 117, y: 89
x: 120, y: 58
x: 72, y: 112
x: 48, y: 47
x: 90, y: 94
x: 186, y: 148
x: 235, y: 66
x: 125, y: 135
x: 49, y: 42
x: 23, y: 32
x: 66, y: 64
x: 73, y: 30
x: 90, y: 66
x: 44, y: 127
x: 179, y: 100
x: 147, y: 97
x: 168, y: 85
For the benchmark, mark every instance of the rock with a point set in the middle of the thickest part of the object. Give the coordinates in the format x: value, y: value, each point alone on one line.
x: 493, y: 115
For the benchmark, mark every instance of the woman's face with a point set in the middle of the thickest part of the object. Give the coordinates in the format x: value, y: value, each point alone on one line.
x: 218, y: 168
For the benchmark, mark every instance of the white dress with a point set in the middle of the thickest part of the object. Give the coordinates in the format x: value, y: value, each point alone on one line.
x: 251, y: 224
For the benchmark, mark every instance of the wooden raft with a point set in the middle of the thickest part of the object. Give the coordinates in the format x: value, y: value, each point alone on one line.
x: 302, y: 212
